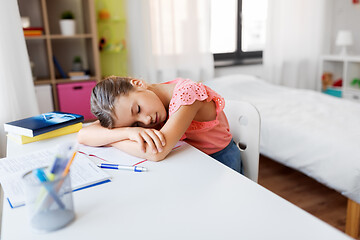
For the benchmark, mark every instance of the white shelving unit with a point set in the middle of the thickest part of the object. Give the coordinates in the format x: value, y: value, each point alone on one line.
x: 345, y: 67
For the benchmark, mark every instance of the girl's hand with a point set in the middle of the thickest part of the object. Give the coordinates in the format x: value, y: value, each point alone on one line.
x: 152, y: 137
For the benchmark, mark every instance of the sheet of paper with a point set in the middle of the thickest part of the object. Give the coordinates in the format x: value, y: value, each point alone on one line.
x: 109, y: 154
x: 83, y: 172
x: 113, y: 155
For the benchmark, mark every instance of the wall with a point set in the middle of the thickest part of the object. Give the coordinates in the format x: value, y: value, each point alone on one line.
x: 256, y: 69
x: 113, y: 54
x: 251, y: 69
x: 346, y: 16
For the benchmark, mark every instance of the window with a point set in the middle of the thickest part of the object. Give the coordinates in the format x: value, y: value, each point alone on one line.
x: 238, y: 30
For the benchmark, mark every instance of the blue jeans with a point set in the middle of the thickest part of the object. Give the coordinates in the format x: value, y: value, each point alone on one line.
x: 230, y: 156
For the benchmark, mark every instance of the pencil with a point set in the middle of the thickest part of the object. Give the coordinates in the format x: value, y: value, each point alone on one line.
x: 67, y: 168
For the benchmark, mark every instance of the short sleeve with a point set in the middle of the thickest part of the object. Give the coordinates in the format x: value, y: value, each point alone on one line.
x: 186, y: 93
x: 219, y: 101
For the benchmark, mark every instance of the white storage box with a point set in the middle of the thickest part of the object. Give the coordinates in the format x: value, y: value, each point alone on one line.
x: 44, y: 98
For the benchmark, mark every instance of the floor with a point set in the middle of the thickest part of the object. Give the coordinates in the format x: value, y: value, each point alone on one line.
x: 306, y: 193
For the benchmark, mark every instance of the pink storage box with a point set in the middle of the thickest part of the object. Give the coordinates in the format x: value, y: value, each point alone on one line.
x: 75, y: 98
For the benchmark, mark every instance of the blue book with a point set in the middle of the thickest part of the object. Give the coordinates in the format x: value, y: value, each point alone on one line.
x: 43, y: 123
x: 59, y: 68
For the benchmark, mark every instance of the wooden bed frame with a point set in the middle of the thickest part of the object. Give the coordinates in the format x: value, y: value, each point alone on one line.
x: 1, y: 206
x: 352, y: 219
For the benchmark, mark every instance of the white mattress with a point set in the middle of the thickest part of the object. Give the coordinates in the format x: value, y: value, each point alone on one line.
x: 314, y: 133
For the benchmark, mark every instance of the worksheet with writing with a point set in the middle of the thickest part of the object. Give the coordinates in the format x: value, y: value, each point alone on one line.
x: 83, y: 173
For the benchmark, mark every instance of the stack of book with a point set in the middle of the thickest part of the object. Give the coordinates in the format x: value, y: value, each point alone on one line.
x: 78, y: 75
x: 44, y: 126
x: 33, y: 31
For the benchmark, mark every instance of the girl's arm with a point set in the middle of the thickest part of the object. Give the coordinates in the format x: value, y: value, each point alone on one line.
x: 95, y: 135
x: 173, y: 130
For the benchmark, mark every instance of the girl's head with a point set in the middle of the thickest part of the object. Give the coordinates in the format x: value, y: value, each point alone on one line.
x: 126, y: 102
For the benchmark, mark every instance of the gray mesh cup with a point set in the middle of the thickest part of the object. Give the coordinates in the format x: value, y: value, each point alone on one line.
x: 50, y: 204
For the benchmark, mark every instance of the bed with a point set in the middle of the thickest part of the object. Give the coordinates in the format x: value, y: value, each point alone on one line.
x: 314, y: 133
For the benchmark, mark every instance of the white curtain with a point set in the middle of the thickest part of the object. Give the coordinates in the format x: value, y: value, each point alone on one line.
x: 17, y: 95
x: 169, y: 39
x: 297, y: 34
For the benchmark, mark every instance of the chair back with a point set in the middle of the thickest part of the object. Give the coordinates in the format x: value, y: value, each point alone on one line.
x: 244, y: 121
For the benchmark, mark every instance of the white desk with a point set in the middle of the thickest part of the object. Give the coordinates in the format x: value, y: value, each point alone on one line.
x: 187, y: 196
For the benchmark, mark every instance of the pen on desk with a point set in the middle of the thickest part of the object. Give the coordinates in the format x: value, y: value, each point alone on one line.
x: 122, y: 167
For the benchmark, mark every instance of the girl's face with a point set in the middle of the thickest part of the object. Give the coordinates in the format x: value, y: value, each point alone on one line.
x: 139, y: 108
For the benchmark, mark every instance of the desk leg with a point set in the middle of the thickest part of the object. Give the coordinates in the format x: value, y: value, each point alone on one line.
x: 352, y: 219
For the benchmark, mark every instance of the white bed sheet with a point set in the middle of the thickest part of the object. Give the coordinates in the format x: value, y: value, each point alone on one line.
x: 314, y: 133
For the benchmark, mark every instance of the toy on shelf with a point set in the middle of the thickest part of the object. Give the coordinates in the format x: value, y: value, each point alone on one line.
x: 107, y: 44
x: 355, y: 81
x: 102, y: 43
x: 104, y: 14
x: 338, y: 83
x: 327, y: 80
x: 331, y: 87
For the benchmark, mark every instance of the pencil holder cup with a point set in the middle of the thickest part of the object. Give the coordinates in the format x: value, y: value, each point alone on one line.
x: 49, y: 203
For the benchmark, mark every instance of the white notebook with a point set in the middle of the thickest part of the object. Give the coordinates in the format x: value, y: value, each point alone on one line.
x: 84, y: 173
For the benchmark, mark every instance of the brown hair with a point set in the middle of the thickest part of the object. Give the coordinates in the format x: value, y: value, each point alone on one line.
x: 104, y: 95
